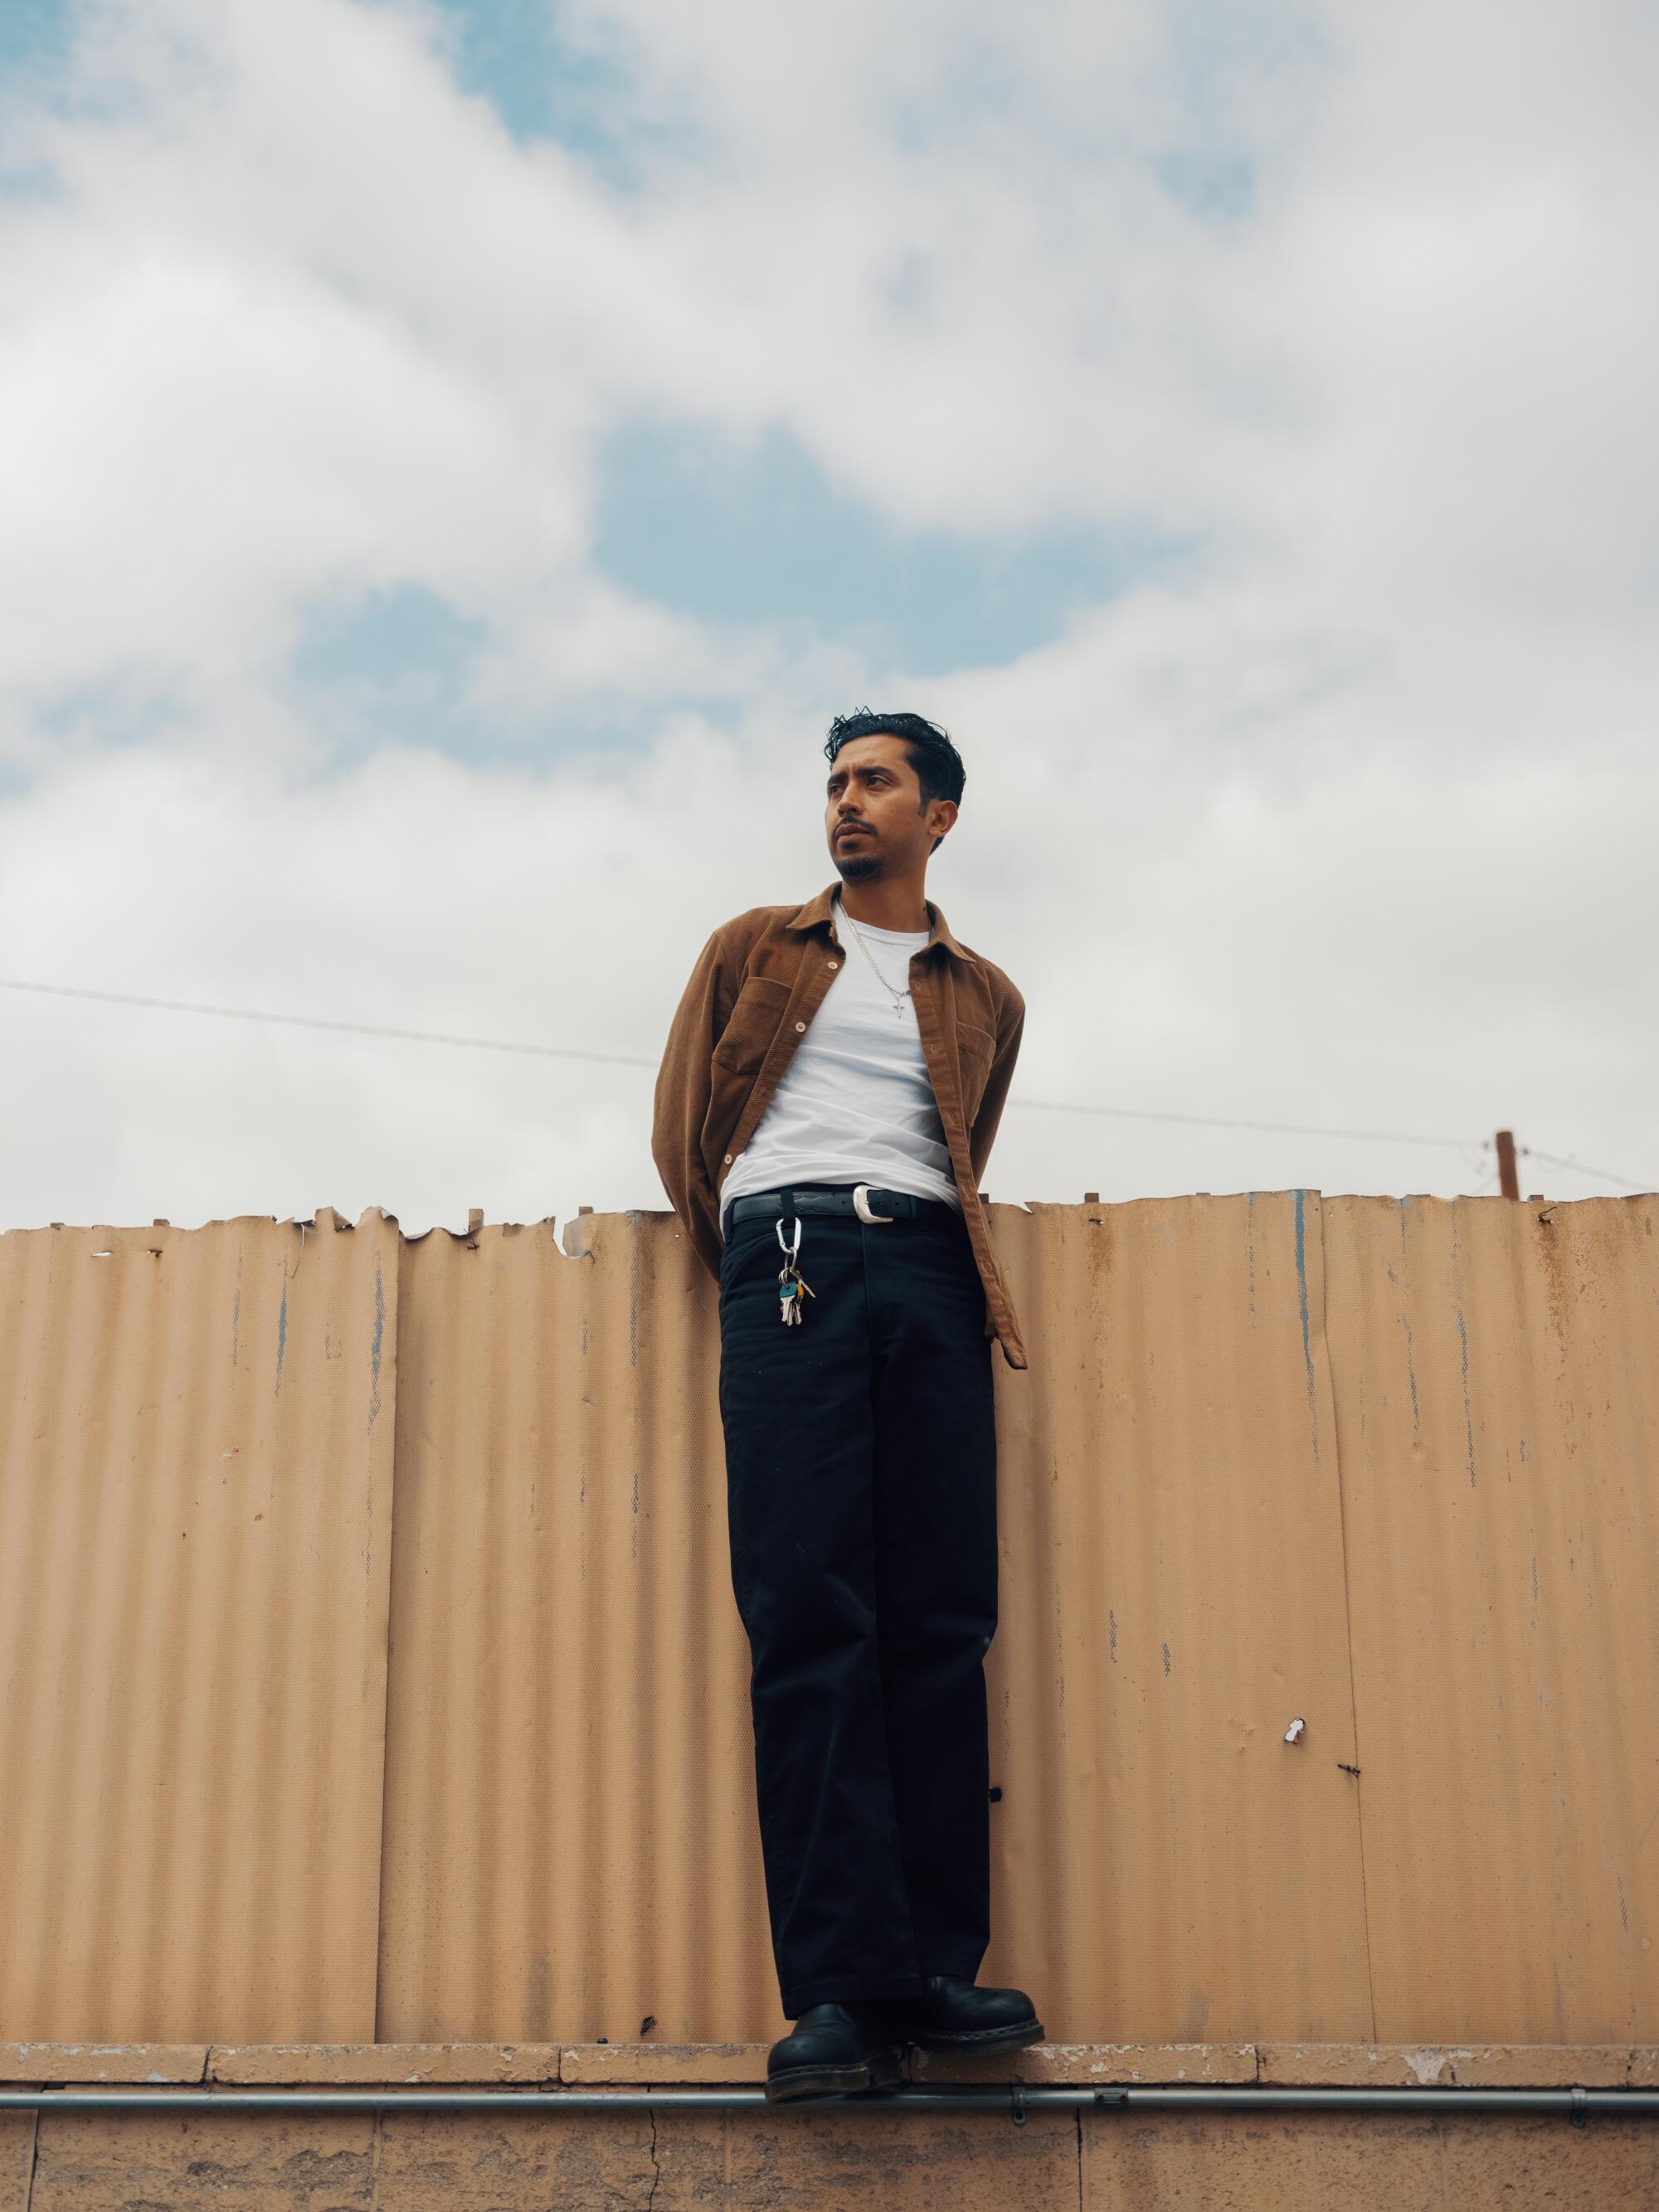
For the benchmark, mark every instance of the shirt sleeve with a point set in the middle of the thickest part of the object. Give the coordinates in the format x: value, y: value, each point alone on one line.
x: 994, y: 1097
x: 680, y: 1106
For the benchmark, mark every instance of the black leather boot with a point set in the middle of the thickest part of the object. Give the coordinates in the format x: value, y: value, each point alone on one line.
x: 834, y: 2050
x: 952, y: 2014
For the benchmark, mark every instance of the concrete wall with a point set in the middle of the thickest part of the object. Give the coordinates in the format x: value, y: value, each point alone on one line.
x: 833, y: 2157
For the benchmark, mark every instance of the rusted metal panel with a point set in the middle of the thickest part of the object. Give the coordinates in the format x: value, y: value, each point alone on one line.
x: 571, y: 1846
x: 1223, y: 1511
x: 196, y: 1433
x: 570, y: 1835
x: 1169, y: 1868
x: 1497, y: 1369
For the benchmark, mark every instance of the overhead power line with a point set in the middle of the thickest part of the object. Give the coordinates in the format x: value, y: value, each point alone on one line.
x: 1213, y: 1122
x: 1602, y: 1175
x: 317, y: 1022
x: 636, y: 1060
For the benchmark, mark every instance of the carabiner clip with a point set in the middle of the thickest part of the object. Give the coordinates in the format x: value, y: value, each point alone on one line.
x: 788, y: 1251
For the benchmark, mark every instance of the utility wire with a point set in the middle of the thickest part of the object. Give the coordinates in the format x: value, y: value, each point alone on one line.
x: 316, y: 1022
x: 1214, y: 1122
x: 635, y: 1060
x: 1602, y: 1175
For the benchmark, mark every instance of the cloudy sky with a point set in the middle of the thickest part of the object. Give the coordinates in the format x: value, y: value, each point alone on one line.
x: 456, y: 459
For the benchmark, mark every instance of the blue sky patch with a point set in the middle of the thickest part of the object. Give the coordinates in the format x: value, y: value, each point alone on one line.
x: 738, y: 534
x: 395, y: 667
x: 34, y: 37
x: 389, y: 668
x: 543, y: 83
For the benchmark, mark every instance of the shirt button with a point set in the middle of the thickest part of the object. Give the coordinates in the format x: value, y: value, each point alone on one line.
x: 833, y: 963
x: 728, y: 1159
x: 800, y: 1025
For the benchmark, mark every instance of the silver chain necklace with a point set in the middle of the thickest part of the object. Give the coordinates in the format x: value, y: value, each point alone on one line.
x: 897, y: 997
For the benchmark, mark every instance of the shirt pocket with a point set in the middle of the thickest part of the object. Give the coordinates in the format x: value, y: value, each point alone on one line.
x: 744, y: 1043
x: 975, y: 1049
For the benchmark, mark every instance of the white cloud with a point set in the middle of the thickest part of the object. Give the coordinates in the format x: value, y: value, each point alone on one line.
x: 1342, y: 824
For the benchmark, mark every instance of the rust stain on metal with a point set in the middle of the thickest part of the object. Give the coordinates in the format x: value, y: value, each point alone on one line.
x: 431, y: 1724
x: 191, y: 1728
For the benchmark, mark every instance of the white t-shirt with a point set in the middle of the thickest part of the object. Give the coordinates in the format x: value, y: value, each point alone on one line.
x: 856, y: 1102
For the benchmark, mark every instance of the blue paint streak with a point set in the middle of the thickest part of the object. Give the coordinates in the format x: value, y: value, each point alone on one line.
x: 282, y: 1336
x: 374, y: 1349
x: 1469, y: 1422
x: 1301, y: 1294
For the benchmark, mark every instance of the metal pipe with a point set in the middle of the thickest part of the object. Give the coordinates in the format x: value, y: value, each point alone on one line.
x: 1014, y: 2099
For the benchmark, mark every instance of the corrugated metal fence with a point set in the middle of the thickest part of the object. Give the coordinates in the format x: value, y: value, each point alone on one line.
x: 368, y: 1665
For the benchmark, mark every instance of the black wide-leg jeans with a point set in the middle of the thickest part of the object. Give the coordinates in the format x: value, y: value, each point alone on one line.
x: 860, y: 1460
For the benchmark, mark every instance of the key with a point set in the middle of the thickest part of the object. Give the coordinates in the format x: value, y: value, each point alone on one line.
x: 793, y: 1289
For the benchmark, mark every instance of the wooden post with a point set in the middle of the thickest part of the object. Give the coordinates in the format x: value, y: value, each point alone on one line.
x: 1507, y: 1180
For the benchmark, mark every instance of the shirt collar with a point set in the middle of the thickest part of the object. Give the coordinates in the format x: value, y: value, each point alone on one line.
x: 815, y: 915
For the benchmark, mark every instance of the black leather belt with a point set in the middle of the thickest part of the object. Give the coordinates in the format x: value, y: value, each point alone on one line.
x: 890, y: 1205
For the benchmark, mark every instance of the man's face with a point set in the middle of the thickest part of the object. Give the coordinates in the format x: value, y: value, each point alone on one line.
x: 874, y: 818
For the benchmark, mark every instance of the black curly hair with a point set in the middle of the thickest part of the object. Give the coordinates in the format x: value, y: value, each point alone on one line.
x: 927, y: 748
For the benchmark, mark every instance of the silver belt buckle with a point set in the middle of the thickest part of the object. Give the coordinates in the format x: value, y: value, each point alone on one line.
x: 861, y: 1204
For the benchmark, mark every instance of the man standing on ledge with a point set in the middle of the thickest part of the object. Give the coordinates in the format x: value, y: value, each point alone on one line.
x: 832, y: 1082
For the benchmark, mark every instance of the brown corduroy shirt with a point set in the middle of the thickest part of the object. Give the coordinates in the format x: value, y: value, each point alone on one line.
x: 756, y: 985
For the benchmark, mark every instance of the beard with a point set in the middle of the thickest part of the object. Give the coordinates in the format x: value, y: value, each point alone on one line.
x: 856, y: 866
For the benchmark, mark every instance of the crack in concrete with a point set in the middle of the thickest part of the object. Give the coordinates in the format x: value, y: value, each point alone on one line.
x: 656, y: 2169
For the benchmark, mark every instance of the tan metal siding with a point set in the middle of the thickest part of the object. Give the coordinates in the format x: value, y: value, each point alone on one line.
x: 570, y: 1828
x: 570, y: 1844
x: 1170, y: 1869
x: 195, y: 1519
x: 1221, y: 1512
x: 1498, y: 1374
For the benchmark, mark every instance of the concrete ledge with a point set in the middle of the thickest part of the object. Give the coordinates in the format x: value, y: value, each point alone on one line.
x: 663, y: 2157
x: 1613, y: 2066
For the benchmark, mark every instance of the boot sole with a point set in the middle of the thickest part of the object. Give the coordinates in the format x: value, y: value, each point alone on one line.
x: 881, y: 2070
x: 969, y: 2040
